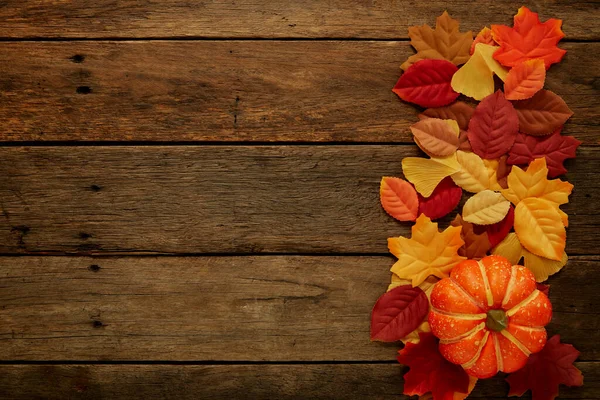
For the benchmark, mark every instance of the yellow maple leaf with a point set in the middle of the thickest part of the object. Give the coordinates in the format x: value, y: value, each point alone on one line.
x: 542, y: 268
x: 534, y: 183
x: 443, y: 43
x: 427, y: 252
x: 476, y: 78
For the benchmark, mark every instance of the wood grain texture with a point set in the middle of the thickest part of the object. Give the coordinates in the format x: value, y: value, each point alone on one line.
x: 291, y: 91
x: 270, y: 308
x: 223, y: 199
x: 192, y: 382
x: 270, y: 18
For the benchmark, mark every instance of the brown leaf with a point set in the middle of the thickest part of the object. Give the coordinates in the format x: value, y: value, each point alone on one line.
x: 476, y: 245
x: 459, y: 111
x: 542, y: 114
x: 445, y: 42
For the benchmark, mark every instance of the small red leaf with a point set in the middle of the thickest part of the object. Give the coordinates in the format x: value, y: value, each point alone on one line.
x: 399, y: 198
x: 430, y: 372
x: 493, y: 127
x: 427, y: 83
x: 544, y: 288
x: 443, y: 200
x: 546, y: 370
x: 398, y: 312
x: 498, y: 231
x: 556, y: 148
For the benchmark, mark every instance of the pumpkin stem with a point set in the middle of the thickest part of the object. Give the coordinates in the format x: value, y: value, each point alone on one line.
x: 496, y: 320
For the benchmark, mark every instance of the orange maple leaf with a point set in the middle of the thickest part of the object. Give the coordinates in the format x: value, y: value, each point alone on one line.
x: 528, y: 39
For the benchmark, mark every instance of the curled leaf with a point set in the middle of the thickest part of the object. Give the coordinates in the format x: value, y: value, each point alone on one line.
x: 399, y: 198
x: 493, y: 127
x: 473, y: 175
x: 442, y: 201
x: 427, y: 83
x: 435, y: 137
x: 485, y: 208
x: 542, y: 114
x: 525, y: 79
x: 539, y: 227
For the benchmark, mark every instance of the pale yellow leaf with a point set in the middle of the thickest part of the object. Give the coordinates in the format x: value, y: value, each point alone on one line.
x: 485, y: 208
x: 542, y: 267
x: 487, y: 53
x: 540, y: 228
x: 473, y: 175
x: 509, y: 248
x: 425, y: 174
x: 476, y: 78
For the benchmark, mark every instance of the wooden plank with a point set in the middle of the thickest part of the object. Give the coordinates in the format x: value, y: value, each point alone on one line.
x: 234, y: 91
x: 271, y: 308
x: 269, y: 18
x: 223, y: 199
x: 183, y: 382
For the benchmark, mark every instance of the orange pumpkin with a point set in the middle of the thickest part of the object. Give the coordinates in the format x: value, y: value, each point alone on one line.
x: 489, y: 316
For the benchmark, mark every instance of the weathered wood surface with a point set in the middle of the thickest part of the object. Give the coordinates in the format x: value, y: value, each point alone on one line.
x: 223, y: 199
x: 266, y: 308
x: 271, y: 18
x: 293, y: 91
x: 192, y: 382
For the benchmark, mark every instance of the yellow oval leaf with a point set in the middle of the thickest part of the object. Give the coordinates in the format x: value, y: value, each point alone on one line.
x: 426, y: 174
x: 485, y: 208
x: 540, y: 228
x: 473, y: 175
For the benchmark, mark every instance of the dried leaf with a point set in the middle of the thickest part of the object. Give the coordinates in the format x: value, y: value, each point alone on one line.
x: 498, y: 231
x: 539, y: 227
x: 542, y: 114
x: 528, y: 39
x: 556, y: 148
x: 546, y: 370
x: 427, y: 252
x: 476, y: 245
x: 435, y: 137
x: 473, y: 175
x: 398, y: 312
x: 525, y: 79
x: 426, y: 174
x: 445, y: 42
x: 430, y: 372
x: 484, y: 36
x: 493, y: 127
x: 485, y: 208
x: 427, y: 83
x: 476, y: 78
x: 442, y: 201
x: 399, y: 198
x: 458, y: 111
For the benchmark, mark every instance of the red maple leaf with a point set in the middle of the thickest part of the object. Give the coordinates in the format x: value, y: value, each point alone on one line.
x: 430, y: 372
x: 556, y: 148
x: 528, y: 39
x: 546, y: 370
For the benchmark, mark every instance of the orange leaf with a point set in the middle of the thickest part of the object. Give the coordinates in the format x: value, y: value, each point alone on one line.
x: 542, y: 114
x: 427, y: 252
x: 435, y: 137
x: 476, y: 246
x: 525, y: 79
x: 484, y: 36
x: 528, y: 39
x: 399, y: 198
x: 445, y: 42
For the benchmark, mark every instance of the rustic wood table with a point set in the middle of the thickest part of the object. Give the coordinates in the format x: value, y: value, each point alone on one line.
x: 189, y: 194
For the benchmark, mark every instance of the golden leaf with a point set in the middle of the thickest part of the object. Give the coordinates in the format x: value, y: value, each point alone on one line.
x: 427, y: 252
x: 476, y: 78
x: 445, y: 42
x: 539, y: 228
x: 425, y: 174
x: 485, y: 208
x: 509, y: 248
x: 473, y: 175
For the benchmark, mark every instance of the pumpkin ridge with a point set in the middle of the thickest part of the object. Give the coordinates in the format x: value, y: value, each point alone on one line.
x: 472, y: 361
x: 510, y: 286
x: 523, y: 303
x: 469, y: 296
x: 516, y: 342
x: 499, y: 362
x: 464, y: 336
x: 464, y: 316
x: 486, y: 284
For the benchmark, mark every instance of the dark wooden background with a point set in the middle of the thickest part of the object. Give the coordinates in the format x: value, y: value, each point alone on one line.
x: 189, y: 194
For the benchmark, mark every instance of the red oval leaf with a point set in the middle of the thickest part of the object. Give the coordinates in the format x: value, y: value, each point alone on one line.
x: 399, y: 198
x: 556, y: 148
x: 498, y: 231
x: 398, y: 312
x: 493, y: 127
x: 427, y: 83
x: 443, y: 200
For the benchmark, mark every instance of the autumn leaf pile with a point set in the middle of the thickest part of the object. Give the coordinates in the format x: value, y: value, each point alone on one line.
x: 488, y: 129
